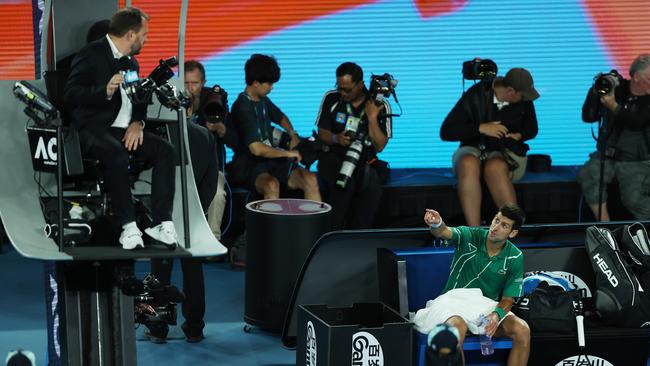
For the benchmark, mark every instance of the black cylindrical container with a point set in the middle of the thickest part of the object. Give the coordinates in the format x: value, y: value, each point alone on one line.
x: 279, y: 234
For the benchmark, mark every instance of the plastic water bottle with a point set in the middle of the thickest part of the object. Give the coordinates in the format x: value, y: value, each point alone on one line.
x: 76, y: 212
x: 486, y: 341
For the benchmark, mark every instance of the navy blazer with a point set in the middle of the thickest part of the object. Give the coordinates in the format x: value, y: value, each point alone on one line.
x: 85, y: 91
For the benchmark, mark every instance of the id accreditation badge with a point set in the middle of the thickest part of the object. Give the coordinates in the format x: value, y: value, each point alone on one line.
x: 352, y: 124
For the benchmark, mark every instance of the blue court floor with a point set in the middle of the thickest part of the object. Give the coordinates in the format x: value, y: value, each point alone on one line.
x: 22, y: 320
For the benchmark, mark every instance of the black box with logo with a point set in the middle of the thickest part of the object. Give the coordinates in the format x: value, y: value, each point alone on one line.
x: 604, y: 346
x: 366, y: 334
x: 42, y: 144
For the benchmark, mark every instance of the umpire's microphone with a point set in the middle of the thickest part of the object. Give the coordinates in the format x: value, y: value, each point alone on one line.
x: 125, y: 68
x: 124, y: 64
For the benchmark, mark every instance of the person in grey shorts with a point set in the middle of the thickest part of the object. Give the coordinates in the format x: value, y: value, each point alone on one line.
x: 491, y: 121
x: 623, y: 146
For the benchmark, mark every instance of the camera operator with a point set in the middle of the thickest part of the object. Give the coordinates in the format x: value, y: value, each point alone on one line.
x: 111, y: 127
x: 222, y: 135
x: 207, y: 151
x: 623, y: 147
x: 355, y: 204
x: 257, y: 164
x: 491, y: 121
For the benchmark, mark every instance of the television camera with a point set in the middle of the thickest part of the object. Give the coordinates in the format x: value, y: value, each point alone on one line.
x: 38, y: 107
x: 155, y: 303
x: 141, y: 90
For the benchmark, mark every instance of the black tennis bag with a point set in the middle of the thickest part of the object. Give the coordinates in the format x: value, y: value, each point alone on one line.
x: 635, y: 245
x: 549, y: 309
x: 620, y: 298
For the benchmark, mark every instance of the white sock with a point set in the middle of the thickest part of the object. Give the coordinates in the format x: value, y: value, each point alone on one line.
x: 129, y: 225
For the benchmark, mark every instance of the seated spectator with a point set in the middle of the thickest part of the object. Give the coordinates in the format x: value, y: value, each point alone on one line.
x: 491, y: 122
x: 258, y: 164
x: 217, y: 121
x: 345, y: 113
x: 623, y: 150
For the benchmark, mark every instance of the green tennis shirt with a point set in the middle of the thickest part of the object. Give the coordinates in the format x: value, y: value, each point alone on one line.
x: 497, y: 276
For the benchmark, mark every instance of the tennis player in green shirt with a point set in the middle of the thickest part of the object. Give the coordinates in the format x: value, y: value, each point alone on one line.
x: 486, y: 274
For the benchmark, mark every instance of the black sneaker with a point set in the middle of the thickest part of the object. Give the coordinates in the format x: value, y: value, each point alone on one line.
x: 195, y: 339
x: 155, y: 338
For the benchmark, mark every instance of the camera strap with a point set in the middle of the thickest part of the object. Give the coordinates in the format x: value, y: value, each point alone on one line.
x: 485, y: 115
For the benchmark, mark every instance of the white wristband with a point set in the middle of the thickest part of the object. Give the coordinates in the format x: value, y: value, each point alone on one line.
x: 436, y: 225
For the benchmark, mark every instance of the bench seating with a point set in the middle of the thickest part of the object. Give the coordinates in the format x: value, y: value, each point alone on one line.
x: 409, y: 278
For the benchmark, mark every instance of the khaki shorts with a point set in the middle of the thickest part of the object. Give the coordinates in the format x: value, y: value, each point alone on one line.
x: 517, y: 174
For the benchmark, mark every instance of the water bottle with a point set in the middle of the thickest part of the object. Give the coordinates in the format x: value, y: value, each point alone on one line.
x: 76, y: 212
x: 486, y: 341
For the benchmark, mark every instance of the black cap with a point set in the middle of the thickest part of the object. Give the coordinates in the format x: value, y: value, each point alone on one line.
x: 521, y: 81
x: 21, y: 358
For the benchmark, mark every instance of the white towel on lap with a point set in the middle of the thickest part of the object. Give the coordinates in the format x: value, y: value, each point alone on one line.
x: 468, y: 303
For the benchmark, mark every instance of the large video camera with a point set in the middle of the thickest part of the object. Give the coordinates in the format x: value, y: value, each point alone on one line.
x: 216, y: 105
x: 381, y: 87
x: 480, y: 69
x: 155, y: 304
x: 605, y: 83
x: 141, y: 90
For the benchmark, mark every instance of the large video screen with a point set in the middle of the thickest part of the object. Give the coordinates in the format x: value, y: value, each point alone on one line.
x: 422, y: 43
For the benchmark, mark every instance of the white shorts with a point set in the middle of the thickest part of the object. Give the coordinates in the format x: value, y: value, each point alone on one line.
x: 467, y: 303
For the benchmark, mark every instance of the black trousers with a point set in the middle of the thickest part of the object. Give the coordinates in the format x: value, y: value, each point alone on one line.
x: 355, y: 206
x: 193, y: 287
x: 203, y: 151
x: 114, y: 158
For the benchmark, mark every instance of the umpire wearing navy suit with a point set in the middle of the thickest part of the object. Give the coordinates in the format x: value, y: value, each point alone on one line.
x: 111, y: 127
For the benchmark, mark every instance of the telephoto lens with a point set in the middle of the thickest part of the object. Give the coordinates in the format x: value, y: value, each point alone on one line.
x: 606, y: 83
x: 349, y: 164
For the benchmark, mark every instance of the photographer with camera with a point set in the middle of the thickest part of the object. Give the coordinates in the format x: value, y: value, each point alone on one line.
x: 210, y: 110
x: 259, y: 164
x: 111, y: 127
x: 623, y: 144
x: 206, y: 143
x: 491, y: 120
x: 354, y: 128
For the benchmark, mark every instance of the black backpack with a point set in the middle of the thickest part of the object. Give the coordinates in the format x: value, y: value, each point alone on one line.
x: 549, y: 309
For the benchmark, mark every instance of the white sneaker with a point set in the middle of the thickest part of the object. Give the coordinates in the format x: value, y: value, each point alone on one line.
x: 131, y: 237
x: 164, y: 233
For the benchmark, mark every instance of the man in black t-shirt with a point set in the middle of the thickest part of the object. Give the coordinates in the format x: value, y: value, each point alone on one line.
x: 492, y: 123
x: 348, y: 119
x: 259, y: 163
